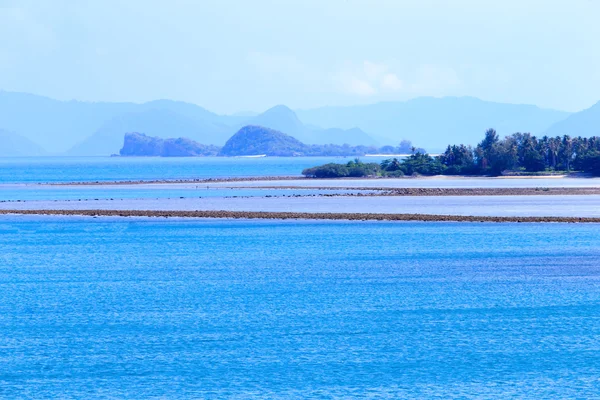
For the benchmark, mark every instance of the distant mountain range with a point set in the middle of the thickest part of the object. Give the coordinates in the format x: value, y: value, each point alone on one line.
x: 161, y: 122
x: 86, y: 128
x: 40, y: 125
x: 250, y: 140
x: 13, y: 145
x: 585, y: 123
x: 435, y: 122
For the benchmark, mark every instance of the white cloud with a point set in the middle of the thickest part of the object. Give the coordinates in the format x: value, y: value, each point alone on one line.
x: 391, y: 82
x: 434, y: 80
x: 369, y: 79
x: 374, y: 71
x: 360, y: 87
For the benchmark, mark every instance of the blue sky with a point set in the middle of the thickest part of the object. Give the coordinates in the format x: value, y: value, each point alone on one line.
x: 238, y: 55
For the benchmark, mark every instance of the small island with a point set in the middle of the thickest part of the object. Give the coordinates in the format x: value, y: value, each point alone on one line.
x: 138, y: 144
x: 251, y: 140
x: 517, y: 154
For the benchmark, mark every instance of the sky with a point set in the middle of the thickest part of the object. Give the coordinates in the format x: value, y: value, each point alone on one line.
x: 248, y: 55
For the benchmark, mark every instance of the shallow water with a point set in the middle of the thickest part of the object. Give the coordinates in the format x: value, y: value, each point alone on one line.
x: 427, y: 182
x: 107, y: 169
x: 131, y: 308
x: 500, y: 206
x: 103, y: 169
x: 20, y: 192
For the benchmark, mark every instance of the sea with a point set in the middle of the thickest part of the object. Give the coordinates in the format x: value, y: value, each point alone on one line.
x: 107, y: 307
x: 190, y: 308
x: 103, y: 169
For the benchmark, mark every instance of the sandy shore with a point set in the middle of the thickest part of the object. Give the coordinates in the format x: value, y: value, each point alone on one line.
x: 385, y: 191
x: 300, y: 215
x: 300, y: 185
x: 176, y: 181
x: 302, y: 178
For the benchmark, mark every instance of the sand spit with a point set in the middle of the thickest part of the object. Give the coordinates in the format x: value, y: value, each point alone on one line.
x: 302, y: 178
x: 300, y: 215
x: 178, y: 181
x: 368, y: 191
x: 383, y: 191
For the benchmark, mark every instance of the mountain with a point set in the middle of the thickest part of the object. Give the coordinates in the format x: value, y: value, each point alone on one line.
x: 283, y: 119
x: 68, y: 126
x: 352, y: 136
x: 13, y: 145
x: 55, y: 125
x: 96, y: 128
x: 188, y: 110
x: 138, y: 144
x: 155, y: 122
x: 436, y: 122
x: 584, y: 123
x: 245, y: 114
x: 257, y: 140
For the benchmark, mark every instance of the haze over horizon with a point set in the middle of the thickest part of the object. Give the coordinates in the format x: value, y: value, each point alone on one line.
x: 233, y: 56
x: 254, y: 112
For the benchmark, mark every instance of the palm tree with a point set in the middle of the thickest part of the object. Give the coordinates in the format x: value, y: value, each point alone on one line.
x: 567, y: 152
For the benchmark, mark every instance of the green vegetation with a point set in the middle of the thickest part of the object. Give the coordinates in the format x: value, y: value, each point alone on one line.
x: 589, y: 162
x: 519, y: 153
x: 526, y: 153
x: 355, y: 169
x: 418, y: 163
x: 253, y: 140
x: 138, y: 144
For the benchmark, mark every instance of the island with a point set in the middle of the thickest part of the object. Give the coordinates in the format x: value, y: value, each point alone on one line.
x: 518, y: 154
x: 138, y: 144
x: 250, y: 140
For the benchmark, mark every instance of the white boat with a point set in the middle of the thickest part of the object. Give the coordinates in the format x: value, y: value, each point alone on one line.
x: 256, y: 156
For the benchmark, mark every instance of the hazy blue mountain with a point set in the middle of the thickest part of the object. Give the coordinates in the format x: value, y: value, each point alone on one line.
x: 435, y: 122
x: 88, y: 128
x: 13, y: 145
x: 58, y: 126
x: 164, y: 123
x: 583, y: 123
x: 352, y: 136
x: 255, y: 140
x: 188, y: 110
x: 54, y: 125
x: 245, y: 114
x: 283, y: 119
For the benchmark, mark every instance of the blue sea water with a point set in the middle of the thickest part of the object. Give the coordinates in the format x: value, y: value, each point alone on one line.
x: 11, y: 193
x: 102, y: 169
x: 173, y: 308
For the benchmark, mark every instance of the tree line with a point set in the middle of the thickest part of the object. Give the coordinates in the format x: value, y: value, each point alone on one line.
x: 518, y: 153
